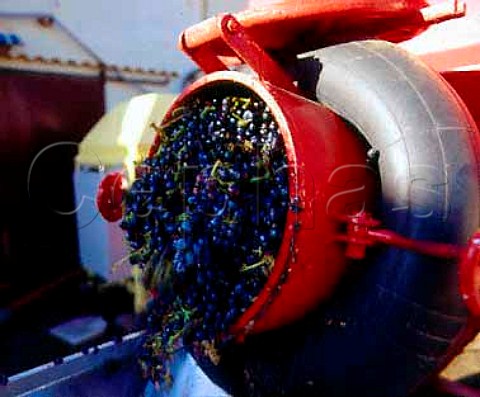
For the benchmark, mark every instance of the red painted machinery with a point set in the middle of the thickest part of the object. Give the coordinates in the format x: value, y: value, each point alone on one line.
x: 375, y: 303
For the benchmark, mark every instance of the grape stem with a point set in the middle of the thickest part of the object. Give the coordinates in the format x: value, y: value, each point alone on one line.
x: 266, y: 260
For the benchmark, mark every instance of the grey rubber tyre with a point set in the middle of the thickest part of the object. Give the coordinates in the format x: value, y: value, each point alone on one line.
x: 393, y: 321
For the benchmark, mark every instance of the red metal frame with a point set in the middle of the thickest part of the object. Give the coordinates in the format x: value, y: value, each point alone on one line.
x: 470, y: 275
x: 250, y: 52
x: 292, y: 27
x: 363, y: 231
x: 467, y: 85
x: 259, y: 37
x: 201, y: 43
x: 307, y: 228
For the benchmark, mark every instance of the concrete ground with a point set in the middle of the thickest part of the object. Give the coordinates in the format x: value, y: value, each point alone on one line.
x: 464, y: 369
x: 466, y: 366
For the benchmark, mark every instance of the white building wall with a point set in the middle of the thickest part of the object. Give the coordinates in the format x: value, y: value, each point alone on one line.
x: 27, y: 6
x: 141, y: 33
x: 217, y: 6
x: 46, y: 42
x: 136, y: 33
x: 117, y: 91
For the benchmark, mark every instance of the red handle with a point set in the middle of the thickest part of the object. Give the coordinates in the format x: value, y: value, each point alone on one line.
x: 236, y: 37
x: 110, y: 196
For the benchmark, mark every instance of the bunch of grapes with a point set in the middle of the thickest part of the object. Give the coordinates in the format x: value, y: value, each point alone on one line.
x: 204, y: 219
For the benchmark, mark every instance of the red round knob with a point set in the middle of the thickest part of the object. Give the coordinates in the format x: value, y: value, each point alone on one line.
x: 110, y: 196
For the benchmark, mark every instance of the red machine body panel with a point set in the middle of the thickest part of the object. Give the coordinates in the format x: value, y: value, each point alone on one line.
x: 445, y: 34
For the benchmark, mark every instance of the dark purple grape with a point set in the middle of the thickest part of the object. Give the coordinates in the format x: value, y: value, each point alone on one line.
x: 206, y: 212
